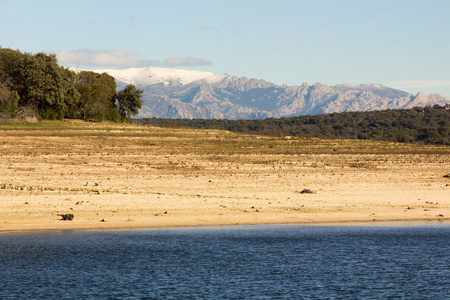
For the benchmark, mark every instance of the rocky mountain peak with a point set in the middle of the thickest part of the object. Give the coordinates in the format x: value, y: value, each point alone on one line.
x: 171, y: 93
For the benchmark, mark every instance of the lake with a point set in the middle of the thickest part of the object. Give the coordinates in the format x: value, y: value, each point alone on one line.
x: 392, y: 261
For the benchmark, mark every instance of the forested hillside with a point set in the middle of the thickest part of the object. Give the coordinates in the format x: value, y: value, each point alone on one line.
x: 427, y: 125
x: 34, y: 85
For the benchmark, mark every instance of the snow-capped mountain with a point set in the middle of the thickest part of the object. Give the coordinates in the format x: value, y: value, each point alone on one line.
x: 172, y: 93
x: 147, y: 76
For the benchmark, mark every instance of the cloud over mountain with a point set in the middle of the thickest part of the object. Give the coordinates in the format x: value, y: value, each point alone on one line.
x: 102, y: 58
x: 120, y: 58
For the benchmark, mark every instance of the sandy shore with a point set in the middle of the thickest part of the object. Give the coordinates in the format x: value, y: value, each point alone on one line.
x: 110, y: 183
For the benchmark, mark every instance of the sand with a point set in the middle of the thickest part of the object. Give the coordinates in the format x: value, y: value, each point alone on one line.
x: 120, y: 182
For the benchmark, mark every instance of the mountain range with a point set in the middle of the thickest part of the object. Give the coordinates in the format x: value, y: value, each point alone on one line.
x: 173, y: 93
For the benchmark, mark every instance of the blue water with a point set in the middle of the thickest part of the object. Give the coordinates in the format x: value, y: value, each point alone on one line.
x: 241, y: 262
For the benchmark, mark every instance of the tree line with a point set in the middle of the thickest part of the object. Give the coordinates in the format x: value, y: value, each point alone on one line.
x: 35, y: 85
x: 425, y: 125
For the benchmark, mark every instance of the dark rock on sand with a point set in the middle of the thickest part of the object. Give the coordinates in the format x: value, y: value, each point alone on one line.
x: 66, y: 217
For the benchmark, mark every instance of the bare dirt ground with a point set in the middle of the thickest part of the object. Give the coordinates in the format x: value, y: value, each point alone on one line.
x: 123, y: 176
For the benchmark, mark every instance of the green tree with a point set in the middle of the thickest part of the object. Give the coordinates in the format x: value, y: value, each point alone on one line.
x: 39, y: 81
x: 97, y: 95
x: 8, y: 103
x: 32, y: 84
x: 9, y: 98
x: 73, y: 97
x: 129, y: 101
x: 430, y: 135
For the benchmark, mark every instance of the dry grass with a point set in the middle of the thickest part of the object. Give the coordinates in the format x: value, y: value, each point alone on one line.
x: 219, y: 175
x: 78, y: 137
x: 185, y: 151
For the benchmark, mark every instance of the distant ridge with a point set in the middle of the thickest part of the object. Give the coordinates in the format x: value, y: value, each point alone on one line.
x: 174, y: 93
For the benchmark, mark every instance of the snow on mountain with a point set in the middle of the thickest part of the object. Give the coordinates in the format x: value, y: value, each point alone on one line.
x: 147, y: 76
x: 172, y: 93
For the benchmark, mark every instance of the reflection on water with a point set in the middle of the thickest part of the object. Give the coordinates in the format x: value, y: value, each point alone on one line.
x: 264, y: 262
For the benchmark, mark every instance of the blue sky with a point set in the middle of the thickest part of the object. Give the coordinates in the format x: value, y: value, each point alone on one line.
x: 402, y: 44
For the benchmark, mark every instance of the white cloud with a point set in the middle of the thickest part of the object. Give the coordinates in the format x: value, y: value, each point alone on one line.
x: 187, y: 61
x: 119, y: 58
x: 412, y: 84
x: 102, y: 58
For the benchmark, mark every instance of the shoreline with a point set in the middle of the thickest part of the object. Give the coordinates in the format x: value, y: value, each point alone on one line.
x: 114, y: 227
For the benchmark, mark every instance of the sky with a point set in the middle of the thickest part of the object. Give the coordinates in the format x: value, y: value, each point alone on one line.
x: 404, y: 44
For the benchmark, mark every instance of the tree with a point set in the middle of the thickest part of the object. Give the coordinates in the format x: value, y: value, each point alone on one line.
x: 73, y: 97
x: 97, y: 96
x: 39, y: 81
x: 32, y: 84
x: 9, y: 98
x: 129, y: 101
